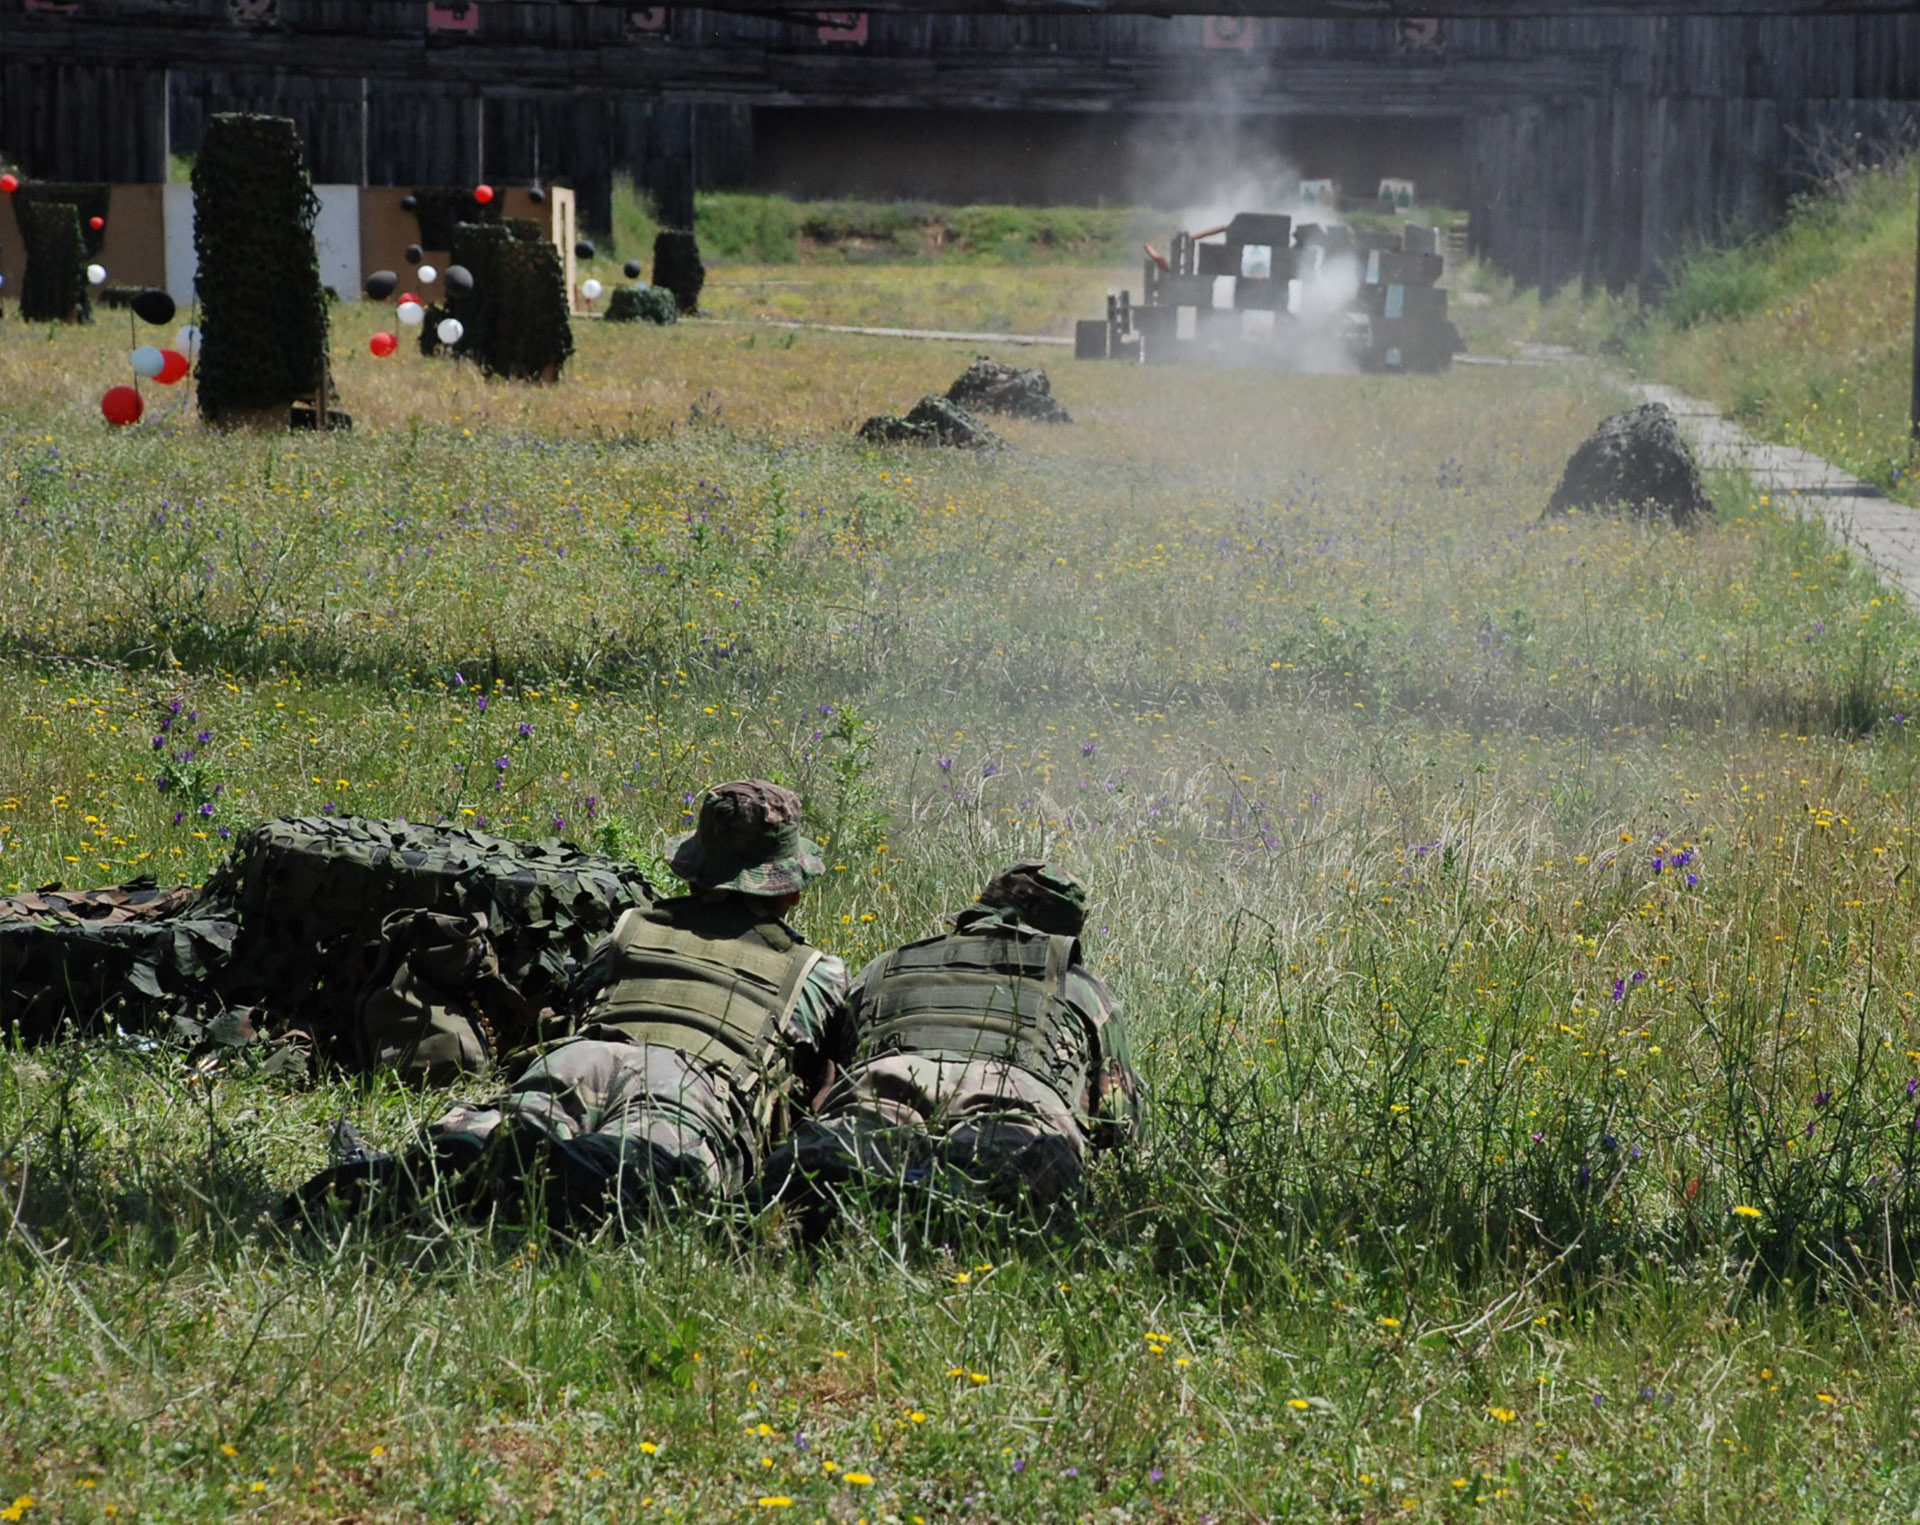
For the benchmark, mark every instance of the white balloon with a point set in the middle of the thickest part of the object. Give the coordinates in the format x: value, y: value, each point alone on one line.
x: 410, y: 313
x: 97, y: 274
x: 591, y: 289
x: 187, y: 341
x: 428, y: 275
x: 147, y: 361
x: 450, y: 330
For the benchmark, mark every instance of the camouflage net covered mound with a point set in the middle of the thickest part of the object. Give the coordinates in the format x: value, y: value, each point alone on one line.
x: 1635, y: 462
x: 993, y: 386
x: 933, y: 421
x: 284, y: 935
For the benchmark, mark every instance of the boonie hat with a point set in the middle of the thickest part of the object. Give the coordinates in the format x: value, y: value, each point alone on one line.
x: 747, y: 839
x: 1046, y: 900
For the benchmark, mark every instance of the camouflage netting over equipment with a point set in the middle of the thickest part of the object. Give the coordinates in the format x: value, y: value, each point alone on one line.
x: 301, y: 902
x: 933, y: 421
x: 129, y: 957
x: 1637, y: 462
x: 993, y: 386
x: 311, y: 892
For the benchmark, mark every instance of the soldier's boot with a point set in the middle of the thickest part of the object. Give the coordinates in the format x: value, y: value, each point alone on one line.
x: 827, y: 1163
x: 598, y: 1177
x: 346, y: 1189
x: 1014, y: 1169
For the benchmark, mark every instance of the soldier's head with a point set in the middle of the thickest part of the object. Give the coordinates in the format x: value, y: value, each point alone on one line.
x: 748, y: 841
x: 1048, y: 900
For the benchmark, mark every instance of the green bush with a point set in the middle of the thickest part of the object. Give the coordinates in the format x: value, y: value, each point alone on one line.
x: 762, y: 230
x: 772, y: 230
x: 642, y: 304
x: 54, y: 288
x: 1719, y: 284
x: 263, y: 316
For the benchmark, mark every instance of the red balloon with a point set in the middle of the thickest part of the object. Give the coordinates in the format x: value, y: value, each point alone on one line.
x: 96, y: 223
x: 173, y: 367
x: 383, y: 344
x: 483, y: 193
x: 122, y: 406
x: 408, y: 296
x: 9, y: 184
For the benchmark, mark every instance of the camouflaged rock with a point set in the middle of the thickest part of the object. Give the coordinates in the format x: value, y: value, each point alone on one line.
x: 993, y: 386
x: 933, y: 421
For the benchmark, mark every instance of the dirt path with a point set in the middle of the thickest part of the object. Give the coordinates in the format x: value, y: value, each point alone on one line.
x: 899, y: 333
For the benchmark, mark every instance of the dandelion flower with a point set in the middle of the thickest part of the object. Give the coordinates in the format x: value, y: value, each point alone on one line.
x: 860, y: 1479
x: 1743, y: 1211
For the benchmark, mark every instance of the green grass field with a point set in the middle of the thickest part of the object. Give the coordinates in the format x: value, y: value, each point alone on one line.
x: 1516, y: 923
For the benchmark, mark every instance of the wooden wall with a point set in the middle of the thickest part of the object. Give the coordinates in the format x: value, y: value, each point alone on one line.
x: 1595, y: 147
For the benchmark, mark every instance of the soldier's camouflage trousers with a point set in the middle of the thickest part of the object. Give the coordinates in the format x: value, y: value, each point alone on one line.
x: 905, y: 1118
x: 605, y: 1126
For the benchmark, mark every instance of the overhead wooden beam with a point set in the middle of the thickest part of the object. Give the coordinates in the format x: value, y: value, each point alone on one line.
x: 746, y: 74
x: 1343, y: 10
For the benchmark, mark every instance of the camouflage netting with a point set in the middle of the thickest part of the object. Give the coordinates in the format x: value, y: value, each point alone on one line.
x: 95, y: 972
x: 287, y: 930
x: 993, y: 386
x: 1638, y: 462
x: 933, y: 421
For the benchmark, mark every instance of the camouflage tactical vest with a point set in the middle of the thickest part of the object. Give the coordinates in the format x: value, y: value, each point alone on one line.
x: 996, y: 992
x: 707, y: 980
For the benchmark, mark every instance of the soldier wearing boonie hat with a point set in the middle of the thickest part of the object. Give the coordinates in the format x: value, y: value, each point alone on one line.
x: 701, y: 1019
x: 989, y: 1056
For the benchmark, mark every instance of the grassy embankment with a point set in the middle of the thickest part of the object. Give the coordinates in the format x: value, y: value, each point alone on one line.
x: 1805, y: 336
x: 1517, y: 925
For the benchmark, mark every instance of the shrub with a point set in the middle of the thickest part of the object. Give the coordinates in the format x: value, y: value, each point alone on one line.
x: 1718, y: 285
x: 642, y: 304
x: 54, y: 289
x: 762, y: 229
x: 263, y: 316
x: 676, y: 266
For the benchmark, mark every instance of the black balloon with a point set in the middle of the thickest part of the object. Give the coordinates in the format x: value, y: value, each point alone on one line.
x: 381, y: 284
x: 415, y: 254
x: 537, y: 196
x: 633, y: 269
x: 409, y: 203
x: 458, y: 278
x: 583, y: 249
x: 153, y: 306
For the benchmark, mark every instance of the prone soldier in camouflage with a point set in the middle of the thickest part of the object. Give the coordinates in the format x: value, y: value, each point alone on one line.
x: 990, y: 1051
x: 705, y: 1017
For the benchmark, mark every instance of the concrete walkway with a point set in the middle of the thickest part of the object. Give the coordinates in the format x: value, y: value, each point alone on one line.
x: 1883, y: 533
